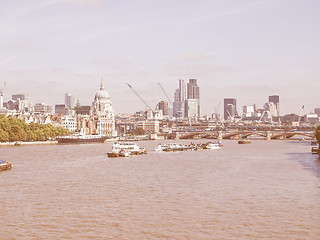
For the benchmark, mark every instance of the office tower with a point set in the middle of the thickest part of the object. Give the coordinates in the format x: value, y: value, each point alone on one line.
x: 185, y: 92
x: 275, y: 99
x: 230, y: 108
x: 164, y: 107
x: 193, y: 93
x: 180, y: 96
x: 317, y: 111
x: 69, y: 100
x: 193, y: 89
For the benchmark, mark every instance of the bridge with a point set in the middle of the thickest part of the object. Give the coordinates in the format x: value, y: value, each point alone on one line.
x: 219, y: 135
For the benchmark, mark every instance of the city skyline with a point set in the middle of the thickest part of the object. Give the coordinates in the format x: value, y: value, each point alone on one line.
x: 246, y: 50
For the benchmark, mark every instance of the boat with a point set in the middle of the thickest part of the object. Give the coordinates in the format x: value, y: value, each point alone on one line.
x: 113, y: 154
x: 5, y: 165
x: 244, y: 141
x: 173, y: 147
x: 314, y: 143
x: 212, y: 145
x: 82, y: 139
x: 125, y: 149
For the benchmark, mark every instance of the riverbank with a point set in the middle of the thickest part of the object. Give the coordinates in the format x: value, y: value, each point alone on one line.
x: 20, y: 143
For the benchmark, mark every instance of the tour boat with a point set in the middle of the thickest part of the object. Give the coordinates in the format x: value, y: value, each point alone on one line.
x: 125, y: 149
x: 5, y: 165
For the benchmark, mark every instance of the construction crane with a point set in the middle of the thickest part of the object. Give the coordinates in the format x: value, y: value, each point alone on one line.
x: 165, y: 94
x: 1, y: 95
x: 139, y: 96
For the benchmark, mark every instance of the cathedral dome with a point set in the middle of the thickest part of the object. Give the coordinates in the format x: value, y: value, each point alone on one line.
x: 102, y: 94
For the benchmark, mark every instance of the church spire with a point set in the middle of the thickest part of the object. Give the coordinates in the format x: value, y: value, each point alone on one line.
x: 101, y: 86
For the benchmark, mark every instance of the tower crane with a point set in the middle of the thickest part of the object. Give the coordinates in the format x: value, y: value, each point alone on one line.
x: 138, y: 96
x: 165, y: 94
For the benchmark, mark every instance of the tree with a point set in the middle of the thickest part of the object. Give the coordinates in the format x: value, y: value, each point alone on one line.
x: 138, y: 131
x: 13, y: 129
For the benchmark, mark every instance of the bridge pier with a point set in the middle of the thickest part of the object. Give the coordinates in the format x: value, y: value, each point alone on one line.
x: 268, y: 135
x: 177, y: 135
x: 219, y: 135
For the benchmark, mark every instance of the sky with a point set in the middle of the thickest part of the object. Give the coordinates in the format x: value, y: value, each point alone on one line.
x: 243, y: 49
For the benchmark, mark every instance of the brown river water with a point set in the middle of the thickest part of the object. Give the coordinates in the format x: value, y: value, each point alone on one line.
x: 262, y: 190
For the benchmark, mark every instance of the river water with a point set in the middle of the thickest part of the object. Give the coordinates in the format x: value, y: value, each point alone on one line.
x: 262, y: 190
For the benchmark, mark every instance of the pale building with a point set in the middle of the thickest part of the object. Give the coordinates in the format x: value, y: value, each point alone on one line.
x: 149, y: 126
x: 248, y: 111
x: 69, y: 123
x: 192, y: 108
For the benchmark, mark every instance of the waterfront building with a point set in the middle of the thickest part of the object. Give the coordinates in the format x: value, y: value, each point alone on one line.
x: 311, y: 118
x: 230, y: 108
x: 103, y: 113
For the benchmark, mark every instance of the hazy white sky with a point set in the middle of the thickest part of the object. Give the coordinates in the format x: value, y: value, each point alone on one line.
x: 244, y: 49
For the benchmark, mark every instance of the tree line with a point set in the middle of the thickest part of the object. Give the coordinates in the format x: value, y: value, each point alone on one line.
x: 13, y: 129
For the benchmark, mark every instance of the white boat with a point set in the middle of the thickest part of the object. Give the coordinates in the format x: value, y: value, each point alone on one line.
x: 126, y: 149
x: 213, y: 145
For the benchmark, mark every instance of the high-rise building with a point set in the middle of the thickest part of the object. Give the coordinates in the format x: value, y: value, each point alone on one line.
x: 164, y: 107
x: 181, y: 105
x: 192, y: 89
x: 230, y: 108
x: 69, y: 100
x: 180, y: 95
x: 193, y: 93
x: 275, y: 99
x: 317, y: 111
